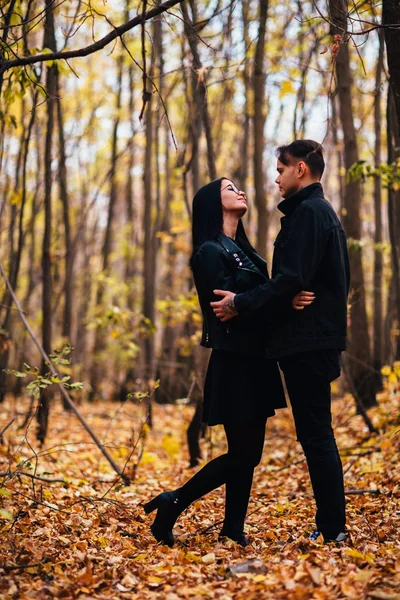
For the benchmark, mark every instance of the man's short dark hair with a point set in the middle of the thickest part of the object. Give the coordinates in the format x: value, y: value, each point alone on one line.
x: 306, y: 150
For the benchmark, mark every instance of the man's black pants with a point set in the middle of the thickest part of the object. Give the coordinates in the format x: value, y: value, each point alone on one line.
x: 308, y: 376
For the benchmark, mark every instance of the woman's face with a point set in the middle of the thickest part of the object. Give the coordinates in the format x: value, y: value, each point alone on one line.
x: 233, y: 200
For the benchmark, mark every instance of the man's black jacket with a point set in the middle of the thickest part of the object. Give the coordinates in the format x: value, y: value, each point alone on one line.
x: 310, y: 254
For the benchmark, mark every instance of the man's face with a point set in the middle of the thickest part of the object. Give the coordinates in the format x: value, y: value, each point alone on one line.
x: 289, y: 178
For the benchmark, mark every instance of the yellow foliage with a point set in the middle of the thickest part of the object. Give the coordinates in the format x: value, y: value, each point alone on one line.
x: 286, y: 88
x: 171, y: 445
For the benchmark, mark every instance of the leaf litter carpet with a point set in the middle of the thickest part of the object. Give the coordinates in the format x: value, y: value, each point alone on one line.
x: 86, y: 536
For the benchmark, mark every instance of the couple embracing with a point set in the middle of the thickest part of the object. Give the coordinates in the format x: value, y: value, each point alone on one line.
x: 296, y: 318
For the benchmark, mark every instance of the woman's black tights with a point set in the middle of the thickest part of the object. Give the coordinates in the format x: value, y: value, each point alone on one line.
x: 235, y: 469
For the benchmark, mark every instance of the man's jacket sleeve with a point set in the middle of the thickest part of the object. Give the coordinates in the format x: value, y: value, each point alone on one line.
x: 301, y: 255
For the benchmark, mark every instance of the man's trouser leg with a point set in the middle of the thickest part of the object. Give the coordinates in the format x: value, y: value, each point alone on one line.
x: 308, y: 385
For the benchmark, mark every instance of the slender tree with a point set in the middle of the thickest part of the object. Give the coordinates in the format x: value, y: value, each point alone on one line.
x: 258, y: 130
x: 47, y: 287
x: 391, y: 20
x: 378, y: 260
x: 359, y: 352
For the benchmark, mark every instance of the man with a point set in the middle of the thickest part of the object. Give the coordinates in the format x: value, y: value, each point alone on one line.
x: 310, y: 254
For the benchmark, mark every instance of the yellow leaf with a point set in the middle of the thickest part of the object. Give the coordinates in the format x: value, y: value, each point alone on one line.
x: 354, y: 554
x: 286, y: 88
x: 193, y: 557
x: 259, y: 578
x: 154, y: 579
x: 103, y: 541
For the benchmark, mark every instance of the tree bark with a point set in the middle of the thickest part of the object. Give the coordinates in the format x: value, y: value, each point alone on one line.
x: 378, y: 259
x: 243, y: 161
x: 258, y: 129
x: 391, y: 16
x: 393, y: 142
x: 149, y: 259
x: 47, y: 286
x: 359, y: 353
x: 6, y: 27
x: 199, y: 85
x: 63, y: 188
x: 108, y: 236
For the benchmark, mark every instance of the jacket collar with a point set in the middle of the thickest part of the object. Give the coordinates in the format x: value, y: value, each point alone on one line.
x: 256, y: 262
x: 228, y: 243
x: 288, y: 205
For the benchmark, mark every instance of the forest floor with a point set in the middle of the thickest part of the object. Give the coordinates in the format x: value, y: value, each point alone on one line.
x: 87, y: 537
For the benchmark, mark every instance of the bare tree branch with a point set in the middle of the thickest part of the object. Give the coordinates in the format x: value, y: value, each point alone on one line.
x: 5, y: 65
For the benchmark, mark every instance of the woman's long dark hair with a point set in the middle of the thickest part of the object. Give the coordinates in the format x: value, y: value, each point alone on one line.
x: 207, y: 219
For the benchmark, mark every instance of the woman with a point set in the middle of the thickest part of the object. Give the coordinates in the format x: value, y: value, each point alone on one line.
x: 242, y: 388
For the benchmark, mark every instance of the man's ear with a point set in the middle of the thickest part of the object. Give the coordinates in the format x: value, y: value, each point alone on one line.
x: 301, y: 168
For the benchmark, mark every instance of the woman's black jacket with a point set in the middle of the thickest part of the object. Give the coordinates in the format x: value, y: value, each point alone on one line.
x: 222, y: 264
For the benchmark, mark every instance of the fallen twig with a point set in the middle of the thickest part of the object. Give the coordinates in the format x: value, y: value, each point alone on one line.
x: 62, y: 389
x: 356, y: 492
x: 2, y: 432
x: 28, y: 566
x: 366, y: 453
x: 12, y: 474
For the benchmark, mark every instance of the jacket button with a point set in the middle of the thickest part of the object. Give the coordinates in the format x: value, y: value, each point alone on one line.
x: 235, y: 254
x: 240, y: 264
x: 238, y: 259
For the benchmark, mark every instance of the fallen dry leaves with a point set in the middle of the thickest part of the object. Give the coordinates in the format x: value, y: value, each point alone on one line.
x: 87, y: 539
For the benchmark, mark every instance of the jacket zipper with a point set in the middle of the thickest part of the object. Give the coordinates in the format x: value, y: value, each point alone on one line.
x: 206, y: 323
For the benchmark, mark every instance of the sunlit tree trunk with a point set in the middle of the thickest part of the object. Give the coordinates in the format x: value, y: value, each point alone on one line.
x: 199, y: 83
x: 63, y: 189
x: 108, y: 236
x: 258, y: 130
x: 47, y: 286
x: 243, y: 161
x: 359, y: 352
x: 378, y: 259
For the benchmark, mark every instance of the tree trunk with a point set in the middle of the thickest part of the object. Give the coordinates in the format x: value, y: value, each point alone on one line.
x: 15, y: 256
x: 258, y: 129
x: 243, y: 161
x: 5, y: 28
x: 198, y: 83
x: 51, y: 75
x: 95, y: 377
x: 391, y: 16
x: 393, y: 142
x: 360, y: 368
x: 378, y: 259
x: 149, y: 275
x: 62, y: 182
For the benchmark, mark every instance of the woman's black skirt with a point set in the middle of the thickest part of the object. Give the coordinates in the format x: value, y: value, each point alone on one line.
x: 240, y: 387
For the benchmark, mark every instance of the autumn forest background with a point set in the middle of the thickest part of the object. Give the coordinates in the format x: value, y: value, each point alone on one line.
x: 112, y: 115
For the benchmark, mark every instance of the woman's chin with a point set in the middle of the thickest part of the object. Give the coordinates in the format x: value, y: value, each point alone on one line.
x: 242, y: 211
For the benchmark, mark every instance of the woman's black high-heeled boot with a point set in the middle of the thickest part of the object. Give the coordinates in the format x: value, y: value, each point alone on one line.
x: 233, y: 534
x: 168, y: 510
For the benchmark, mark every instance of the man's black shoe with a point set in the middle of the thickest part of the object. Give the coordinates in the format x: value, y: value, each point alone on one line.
x: 339, y: 539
